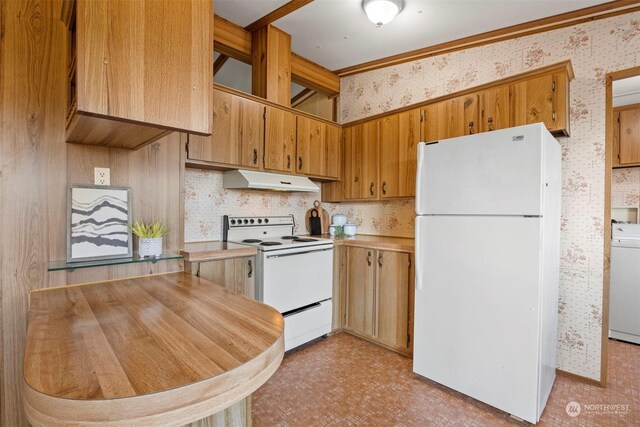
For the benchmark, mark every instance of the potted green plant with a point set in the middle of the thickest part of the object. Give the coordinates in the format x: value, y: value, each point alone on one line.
x: 149, y: 237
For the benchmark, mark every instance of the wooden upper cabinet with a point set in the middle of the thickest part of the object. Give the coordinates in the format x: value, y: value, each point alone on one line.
x: 318, y: 149
x: 360, y: 179
x: 138, y: 69
x: 451, y: 118
x: 238, y: 134
x: 627, y: 135
x: 495, y: 108
x: 280, y: 140
x: 311, y: 157
x: 333, y: 151
x: 543, y: 99
x: 399, y: 137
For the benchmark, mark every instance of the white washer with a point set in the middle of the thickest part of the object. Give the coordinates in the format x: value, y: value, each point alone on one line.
x: 624, y: 292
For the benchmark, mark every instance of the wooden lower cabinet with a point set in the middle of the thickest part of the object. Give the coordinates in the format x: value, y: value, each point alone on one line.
x: 379, y: 297
x: 360, y: 304
x: 236, y: 274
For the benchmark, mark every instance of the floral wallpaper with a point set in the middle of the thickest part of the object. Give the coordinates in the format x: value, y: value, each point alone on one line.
x: 594, y: 48
x: 206, y: 201
x: 625, y: 188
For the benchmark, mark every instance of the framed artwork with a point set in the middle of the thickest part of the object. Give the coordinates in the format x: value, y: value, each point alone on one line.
x: 98, y: 223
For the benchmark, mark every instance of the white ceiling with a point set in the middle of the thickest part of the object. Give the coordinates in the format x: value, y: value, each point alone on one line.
x: 337, y: 34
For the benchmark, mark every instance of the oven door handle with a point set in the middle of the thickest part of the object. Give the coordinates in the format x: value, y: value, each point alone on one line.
x: 299, y: 253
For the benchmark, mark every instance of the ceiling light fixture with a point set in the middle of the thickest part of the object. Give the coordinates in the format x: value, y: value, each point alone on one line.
x: 381, y: 12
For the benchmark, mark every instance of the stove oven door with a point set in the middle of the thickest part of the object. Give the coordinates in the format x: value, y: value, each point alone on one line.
x: 290, y: 279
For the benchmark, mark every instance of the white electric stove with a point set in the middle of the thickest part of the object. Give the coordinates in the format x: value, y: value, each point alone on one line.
x: 294, y: 274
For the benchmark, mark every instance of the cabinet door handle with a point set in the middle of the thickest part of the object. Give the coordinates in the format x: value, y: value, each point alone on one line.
x: 250, y: 273
x: 470, y: 128
x: 255, y: 156
x: 356, y: 179
x: 299, y: 162
x: 369, y: 259
x: 371, y: 189
x: 384, y: 187
x: 380, y: 260
x: 288, y: 161
x: 553, y: 116
x: 490, y: 123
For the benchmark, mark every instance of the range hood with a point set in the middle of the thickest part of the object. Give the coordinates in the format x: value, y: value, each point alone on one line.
x: 267, y: 181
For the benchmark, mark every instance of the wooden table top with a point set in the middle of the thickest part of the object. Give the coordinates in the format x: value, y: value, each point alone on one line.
x: 170, y: 348
x: 215, y: 250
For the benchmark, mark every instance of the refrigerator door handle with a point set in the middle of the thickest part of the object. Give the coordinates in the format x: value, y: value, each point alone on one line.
x: 419, y: 172
x: 418, y: 251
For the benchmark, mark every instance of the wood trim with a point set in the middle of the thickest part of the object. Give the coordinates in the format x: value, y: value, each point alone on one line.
x: 268, y: 103
x: 280, y: 12
x: 301, y: 97
x: 579, y: 377
x: 236, y: 42
x: 626, y: 107
x: 592, y: 13
x: 219, y: 63
x: 314, y: 76
x: 560, y: 66
x: 608, y: 168
x: 231, y: 40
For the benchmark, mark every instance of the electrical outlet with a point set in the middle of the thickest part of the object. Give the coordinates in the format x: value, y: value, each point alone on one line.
x: 102, y: 176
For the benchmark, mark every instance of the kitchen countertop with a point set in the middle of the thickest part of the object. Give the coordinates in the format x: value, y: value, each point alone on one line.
x: 387, y: 243
x: 154, y: 350
x: 215, y: 250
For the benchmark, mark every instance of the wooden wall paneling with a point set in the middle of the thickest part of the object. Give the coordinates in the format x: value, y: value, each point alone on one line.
x: 271, y: 65
x: 32, y: 168
x: 139, y: 61
x: 155, y: 176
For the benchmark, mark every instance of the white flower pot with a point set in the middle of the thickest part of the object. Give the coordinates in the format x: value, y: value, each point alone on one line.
x: 149, y: 246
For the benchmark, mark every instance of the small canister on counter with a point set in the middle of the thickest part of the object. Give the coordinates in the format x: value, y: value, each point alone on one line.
x: 349, y: 229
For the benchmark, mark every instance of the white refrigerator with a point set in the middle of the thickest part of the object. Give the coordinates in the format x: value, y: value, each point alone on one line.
x: 487, y: 266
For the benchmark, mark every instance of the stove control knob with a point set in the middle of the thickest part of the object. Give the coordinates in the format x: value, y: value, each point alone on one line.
x: 233, y: 221
x: 266, y: 220
x: 259, y: 220
x: 245, y: 221
x: 251, y: 221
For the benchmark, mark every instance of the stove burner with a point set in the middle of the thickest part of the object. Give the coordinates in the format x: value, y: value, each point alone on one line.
x: 289, y: 237
x: 304, y: 239
x: 251, y: 241
x: 270, y: 243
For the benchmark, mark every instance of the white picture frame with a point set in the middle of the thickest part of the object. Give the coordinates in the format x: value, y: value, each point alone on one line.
x: 98, y: 223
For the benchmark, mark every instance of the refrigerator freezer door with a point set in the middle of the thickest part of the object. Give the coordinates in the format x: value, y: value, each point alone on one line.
x: 476, y: 325
x: 491, y: 173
